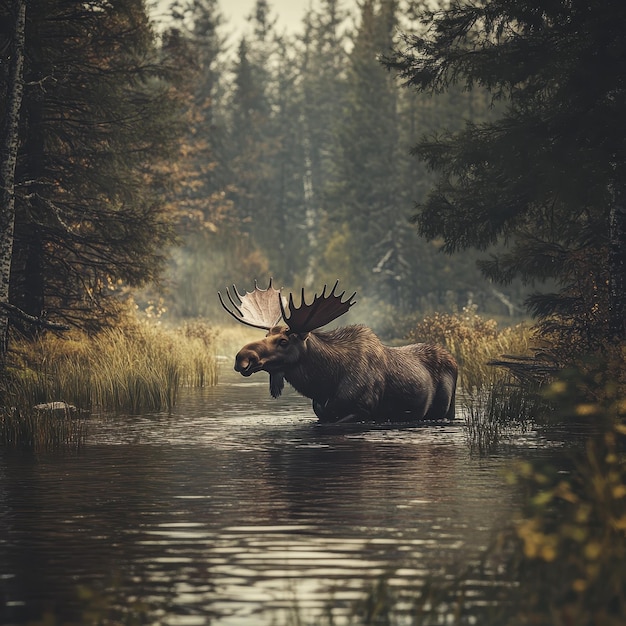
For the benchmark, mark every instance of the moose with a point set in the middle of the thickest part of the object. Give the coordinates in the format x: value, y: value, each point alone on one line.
x: 347, y: 372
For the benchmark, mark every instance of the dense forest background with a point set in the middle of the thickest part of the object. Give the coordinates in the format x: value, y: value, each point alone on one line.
x: 467, y: 155
x: 160, y: 157
x: 299, y: 166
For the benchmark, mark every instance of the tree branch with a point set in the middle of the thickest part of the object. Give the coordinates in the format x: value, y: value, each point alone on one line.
x: 11, y: 310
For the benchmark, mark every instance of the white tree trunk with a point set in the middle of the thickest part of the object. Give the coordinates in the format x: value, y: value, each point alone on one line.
x: 8, y: 150
x: 310, y: 219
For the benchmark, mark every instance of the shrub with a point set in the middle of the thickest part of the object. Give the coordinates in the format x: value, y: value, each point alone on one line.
x: 474, y: 341
x: 492, y: 401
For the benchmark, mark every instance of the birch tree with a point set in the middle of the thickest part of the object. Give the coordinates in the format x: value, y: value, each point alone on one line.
x: 9, y: 148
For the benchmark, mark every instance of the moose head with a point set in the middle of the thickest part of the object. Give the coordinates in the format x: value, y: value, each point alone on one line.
x: 284, y: 344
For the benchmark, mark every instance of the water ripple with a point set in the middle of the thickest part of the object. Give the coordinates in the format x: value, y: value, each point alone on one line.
x: 238, y: 508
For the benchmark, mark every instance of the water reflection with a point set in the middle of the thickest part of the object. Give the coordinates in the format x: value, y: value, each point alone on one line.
x: 238, y: 508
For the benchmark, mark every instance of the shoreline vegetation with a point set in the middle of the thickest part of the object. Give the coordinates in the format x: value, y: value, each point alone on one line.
x: 139, y: 366
x: 491, y: 402
x: 136, y: 367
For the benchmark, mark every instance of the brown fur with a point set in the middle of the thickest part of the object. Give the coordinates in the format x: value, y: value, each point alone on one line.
x: 349, y: 374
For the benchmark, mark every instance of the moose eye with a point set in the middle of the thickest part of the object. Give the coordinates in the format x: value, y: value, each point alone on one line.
x: 283, y: 342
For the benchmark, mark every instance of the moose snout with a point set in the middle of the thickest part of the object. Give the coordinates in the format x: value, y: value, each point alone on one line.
x: 246, y: 362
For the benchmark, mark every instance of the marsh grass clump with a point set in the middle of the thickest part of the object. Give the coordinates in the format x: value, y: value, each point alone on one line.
x: 494, y: 403
x: 474, y: 341
x: 136, y: 367
x: 500, y: 409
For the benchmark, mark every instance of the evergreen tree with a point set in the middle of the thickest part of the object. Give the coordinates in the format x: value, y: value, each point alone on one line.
x: 267, y: 144
x: 209, y: 231
x: 253, y: 148
x: 366, y: 192
x: 95, y: 119
x: 547, y: 175
x: 323, y: 77
x: 373, y: 182
x: 289, y: 249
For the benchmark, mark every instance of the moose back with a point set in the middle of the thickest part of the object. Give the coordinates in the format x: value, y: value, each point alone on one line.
x: 347, y: 373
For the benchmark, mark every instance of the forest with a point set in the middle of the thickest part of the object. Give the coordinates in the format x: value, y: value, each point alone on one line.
x: 289, y: 156
x: 177, y: 163
x: 460, y: 165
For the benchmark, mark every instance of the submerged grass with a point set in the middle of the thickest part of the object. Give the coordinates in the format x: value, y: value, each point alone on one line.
x: 41, y: 429
x: 500, y: 409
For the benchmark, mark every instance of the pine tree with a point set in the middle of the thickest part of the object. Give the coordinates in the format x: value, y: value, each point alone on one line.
x: 366, y: 192
x: 252, y: 147
x: 323, y: 76
x: 546, y: 174
x: 95, y: 119
x: 267, y: 158
x: 200, y: 202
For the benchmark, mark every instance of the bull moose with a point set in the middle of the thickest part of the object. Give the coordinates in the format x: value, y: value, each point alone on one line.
x: 347, y: 372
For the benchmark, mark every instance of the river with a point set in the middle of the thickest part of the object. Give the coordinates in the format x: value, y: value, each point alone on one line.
x: 240, y: 510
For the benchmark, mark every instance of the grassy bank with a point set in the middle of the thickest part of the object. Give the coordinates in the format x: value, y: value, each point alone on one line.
x: 138, y: 366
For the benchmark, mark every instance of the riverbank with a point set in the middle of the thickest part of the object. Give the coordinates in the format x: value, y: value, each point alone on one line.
x: 135, y: 367
x: 141, y: 364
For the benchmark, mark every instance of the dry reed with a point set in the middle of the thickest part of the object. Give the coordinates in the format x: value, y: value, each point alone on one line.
x: 492, y: 403
x: 137, y: 367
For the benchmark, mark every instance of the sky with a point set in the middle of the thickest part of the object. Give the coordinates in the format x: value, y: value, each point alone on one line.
x: 289, y: 12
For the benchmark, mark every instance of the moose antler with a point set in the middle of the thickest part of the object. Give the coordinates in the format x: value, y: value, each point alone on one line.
x: 323, y: 309
x: 261, y: 308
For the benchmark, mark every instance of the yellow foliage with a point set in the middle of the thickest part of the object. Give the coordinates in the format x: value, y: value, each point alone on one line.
x: 474, y: 341
x: 585, y: 410
x: 574, y: 529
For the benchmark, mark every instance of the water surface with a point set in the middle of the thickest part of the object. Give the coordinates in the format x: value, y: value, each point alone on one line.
x: 238, y: 509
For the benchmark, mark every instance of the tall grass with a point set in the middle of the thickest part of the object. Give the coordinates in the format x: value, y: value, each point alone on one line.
x: 492, y: 402
x: 137, y: 367
x: 500, y: 409
x: 474, y: 341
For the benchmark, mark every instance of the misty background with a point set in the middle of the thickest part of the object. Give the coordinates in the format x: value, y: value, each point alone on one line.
x: 297, y: 164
